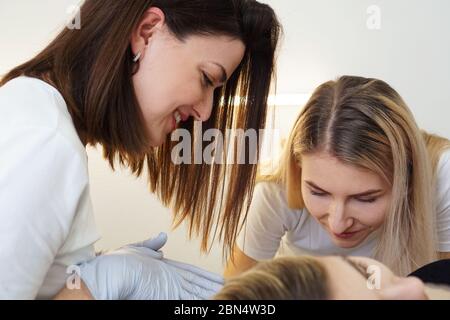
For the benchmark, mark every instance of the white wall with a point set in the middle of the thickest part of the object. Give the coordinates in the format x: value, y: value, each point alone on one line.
x: 411, y: 51
x: 323, y: 39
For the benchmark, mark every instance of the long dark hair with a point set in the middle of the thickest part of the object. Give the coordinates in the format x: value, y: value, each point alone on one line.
x: 92, y: 68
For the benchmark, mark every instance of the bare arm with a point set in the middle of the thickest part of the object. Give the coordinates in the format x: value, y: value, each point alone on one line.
x: 241, y: 262
x: 74, y: 294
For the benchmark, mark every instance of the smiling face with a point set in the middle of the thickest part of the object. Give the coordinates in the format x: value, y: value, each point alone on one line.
x: 176, y: 80
x: 349, y: 202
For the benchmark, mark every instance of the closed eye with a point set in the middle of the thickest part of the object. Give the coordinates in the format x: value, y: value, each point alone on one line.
x: 207, y: 81
x: 357, y: 265
x: 323, y: 194
x: 367, y: 200
x: 317, y: 193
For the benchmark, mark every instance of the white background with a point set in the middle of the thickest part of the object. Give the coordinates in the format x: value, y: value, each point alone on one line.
x: 323, y: 39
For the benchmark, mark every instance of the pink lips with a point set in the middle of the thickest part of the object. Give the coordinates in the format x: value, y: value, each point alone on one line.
x: 184, y: 117
x: 346, y: 235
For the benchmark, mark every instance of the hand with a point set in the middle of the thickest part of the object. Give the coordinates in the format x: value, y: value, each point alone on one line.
x: 139, y: 272
x: 106, y: 276
x: 154, y: 244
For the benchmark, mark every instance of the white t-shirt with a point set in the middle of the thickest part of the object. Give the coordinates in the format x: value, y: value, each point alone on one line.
x: 272, y: 228
x: 46, y: 216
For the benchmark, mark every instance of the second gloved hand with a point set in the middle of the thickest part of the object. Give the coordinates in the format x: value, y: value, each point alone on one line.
x: 139, y: 272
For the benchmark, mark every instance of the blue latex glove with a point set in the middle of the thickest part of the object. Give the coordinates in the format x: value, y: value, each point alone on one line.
x: 139, y: 272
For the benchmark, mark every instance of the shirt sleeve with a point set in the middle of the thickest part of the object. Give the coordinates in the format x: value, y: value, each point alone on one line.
x: 42, y: 178
x: 266, y: 223
x: 443, y: 203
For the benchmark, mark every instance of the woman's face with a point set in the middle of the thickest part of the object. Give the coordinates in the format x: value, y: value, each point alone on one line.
x: 364, y: 278
x: 177, y: 79
x: 349, y: 202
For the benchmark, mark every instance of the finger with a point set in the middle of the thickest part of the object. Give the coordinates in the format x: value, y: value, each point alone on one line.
x: 213, y: 277
x: 199, y: 281
x: 141, y: 251
x: 193, y: 292
x: 153, y: 243
x: 156, y: 243
x: 152, y: 253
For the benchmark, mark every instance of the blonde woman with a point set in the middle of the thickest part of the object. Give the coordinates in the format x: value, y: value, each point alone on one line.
x: 358, y: 178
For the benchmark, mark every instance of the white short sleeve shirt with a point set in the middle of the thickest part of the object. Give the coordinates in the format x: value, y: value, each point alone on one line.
x: 272, y: 228
x: 47, y: 222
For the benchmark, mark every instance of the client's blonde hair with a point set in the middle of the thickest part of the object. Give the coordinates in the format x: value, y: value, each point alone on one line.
x: 286, y: 278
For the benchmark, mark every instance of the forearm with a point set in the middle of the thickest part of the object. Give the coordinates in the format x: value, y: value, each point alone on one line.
x: 74, y: 294
x: 238, y: 263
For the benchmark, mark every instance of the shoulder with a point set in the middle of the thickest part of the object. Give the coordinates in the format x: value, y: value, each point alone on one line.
x: 443, y: 171
x: 269, y: 200
x: 444, y: 162
x: 443, y: 182
x: 28, y: 101
x: 32, y: 103
x: 270, y: 191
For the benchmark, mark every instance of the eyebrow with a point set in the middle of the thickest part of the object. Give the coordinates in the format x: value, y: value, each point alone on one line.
x: 224, y: 76
x: 355, y: 266
x: 365, y: 193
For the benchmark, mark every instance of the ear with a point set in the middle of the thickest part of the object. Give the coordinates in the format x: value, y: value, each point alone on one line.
x: 152, y: 21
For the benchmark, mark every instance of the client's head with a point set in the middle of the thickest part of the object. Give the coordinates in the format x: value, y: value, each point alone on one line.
x: 300, y: 278
x: 317, y: 278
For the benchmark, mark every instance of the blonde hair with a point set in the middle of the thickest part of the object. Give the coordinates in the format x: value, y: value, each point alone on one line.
x: 365, y: 122
x: 286, y: 278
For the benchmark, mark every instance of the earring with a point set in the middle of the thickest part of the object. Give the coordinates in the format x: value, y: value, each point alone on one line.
x: 137, y: 57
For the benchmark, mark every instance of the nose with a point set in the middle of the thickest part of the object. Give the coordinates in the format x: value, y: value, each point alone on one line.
x: 202, y: 111
x: 337, y: 220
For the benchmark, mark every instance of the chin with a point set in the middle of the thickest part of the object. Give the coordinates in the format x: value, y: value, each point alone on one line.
x: 157, y: 140
x: 346, y: 244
